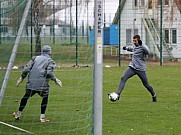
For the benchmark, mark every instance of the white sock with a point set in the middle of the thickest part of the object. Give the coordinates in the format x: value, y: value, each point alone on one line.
x: 19, y: 113
x: 42, y: 116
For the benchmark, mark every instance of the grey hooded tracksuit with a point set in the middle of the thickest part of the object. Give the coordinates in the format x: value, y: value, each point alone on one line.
x: 40, y: 71
x: 136, y: 67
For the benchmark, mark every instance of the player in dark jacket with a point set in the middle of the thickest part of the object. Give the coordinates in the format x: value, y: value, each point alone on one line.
x: 137, y: 66
x: 40, y: 71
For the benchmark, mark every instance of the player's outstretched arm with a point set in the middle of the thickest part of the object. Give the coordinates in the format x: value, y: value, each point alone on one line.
x: 50, y: 73
x: 58, y: 82
x: 25, y: 71
x: 130, y: 49
x: 20, y: 80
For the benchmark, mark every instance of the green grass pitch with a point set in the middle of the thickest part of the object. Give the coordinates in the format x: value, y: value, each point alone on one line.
x: 133, y: 114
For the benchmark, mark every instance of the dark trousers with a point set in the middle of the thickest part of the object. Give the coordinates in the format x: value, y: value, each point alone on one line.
x: 30, y: 93
x: 131, y: 72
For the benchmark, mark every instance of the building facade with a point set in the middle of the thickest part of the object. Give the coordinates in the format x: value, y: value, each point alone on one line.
x: 144, y: 17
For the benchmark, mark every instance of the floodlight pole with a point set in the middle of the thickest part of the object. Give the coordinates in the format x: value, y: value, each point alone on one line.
x: 70, y: 21
x: 37, y: 4
x: 161, y: 36
x: 31, y: 30
x: 119, y: 27
x: 98, y: 49
x: 87, y: 22
x: 53, y: 21
x: 76, y: 33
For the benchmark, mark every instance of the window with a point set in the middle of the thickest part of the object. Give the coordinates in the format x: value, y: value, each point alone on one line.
x: 142, y: 2
x: 135, y: 3
x: 166, y: 34
x: 128, y: 36
x: 174, y: 36
x: 4, y: 29
x: 51, y: 30
x: 135, y: 31
x: 149, y: 4
x: 158, y: 2
x: 164, y: 2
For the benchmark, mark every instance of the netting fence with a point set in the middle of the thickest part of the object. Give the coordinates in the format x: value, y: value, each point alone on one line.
x: 68, y: 27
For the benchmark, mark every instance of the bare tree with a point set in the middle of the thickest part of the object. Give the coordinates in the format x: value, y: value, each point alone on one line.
x: 36, y: 10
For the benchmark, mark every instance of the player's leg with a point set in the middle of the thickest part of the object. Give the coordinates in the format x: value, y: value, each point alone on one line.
x: 23, y: 103
x: 44, y: 103
x: 127, y: 74
x: 142, y: 75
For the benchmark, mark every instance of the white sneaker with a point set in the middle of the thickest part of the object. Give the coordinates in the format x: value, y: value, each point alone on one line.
x: 44, y: 120
x: 16, y: 115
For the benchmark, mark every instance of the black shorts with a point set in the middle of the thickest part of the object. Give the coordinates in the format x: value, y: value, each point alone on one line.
x: 43, y: 93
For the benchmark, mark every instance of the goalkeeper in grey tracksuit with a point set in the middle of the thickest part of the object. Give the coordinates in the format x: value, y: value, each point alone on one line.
x: 137, y: 66
x: 40, y: 71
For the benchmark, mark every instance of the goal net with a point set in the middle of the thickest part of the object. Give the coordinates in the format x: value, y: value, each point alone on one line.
x: 70, y: 108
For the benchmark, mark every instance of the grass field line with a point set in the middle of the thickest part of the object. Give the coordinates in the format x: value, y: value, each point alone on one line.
x: 23, y: 130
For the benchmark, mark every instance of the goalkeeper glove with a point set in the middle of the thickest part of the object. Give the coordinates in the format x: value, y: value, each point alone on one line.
x: 58, y: 82
x: 125, y: 48
x: 20, y: 80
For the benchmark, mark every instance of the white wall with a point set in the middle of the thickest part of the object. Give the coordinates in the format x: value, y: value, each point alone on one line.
x: 171, y: 20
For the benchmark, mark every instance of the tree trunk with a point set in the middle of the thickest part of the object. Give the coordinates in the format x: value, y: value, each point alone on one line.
x: 37, y: 28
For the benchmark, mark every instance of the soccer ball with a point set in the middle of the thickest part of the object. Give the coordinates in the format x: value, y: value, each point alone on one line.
x: 113, y: 96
